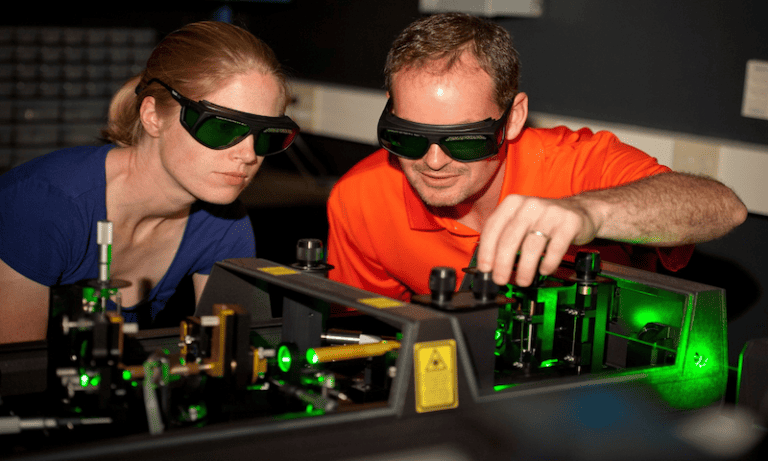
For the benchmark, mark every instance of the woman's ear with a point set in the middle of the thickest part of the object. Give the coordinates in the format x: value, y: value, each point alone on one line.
x: 150, y: 119
x: 517, y: 116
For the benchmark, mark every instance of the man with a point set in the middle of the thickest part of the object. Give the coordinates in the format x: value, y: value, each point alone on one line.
x: 461, y: 174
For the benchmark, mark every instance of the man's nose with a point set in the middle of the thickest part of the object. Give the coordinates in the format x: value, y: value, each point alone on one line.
x: 436, y: 158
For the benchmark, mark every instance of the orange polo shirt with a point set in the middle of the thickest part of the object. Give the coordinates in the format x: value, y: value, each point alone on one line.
x: 382, y: 238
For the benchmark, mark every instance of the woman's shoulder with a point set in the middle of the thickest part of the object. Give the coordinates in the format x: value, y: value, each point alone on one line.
x: 49, y: 204
x: 72, y: 171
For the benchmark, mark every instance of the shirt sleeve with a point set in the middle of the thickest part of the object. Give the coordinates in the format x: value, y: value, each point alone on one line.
x: 596, y: 160
x: 42, y: 231
x: 624, y: 163
x: 350, y: 250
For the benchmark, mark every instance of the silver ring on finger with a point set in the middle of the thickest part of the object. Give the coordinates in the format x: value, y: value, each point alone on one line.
x: 540, y: 234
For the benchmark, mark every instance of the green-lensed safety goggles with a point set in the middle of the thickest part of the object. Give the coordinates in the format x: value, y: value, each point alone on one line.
x: 218, y: 127
x: 468, y: 142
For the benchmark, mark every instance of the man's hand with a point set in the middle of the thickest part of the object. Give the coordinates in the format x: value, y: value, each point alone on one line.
x: 664, y: 210
x: 533, y: 227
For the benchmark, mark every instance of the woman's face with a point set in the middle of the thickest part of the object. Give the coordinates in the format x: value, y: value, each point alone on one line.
x: 219, y: 176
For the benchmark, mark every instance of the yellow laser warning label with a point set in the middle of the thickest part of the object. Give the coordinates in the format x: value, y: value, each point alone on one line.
x: 437, y: 382
x: 380, y: 303
x: 278, y: 270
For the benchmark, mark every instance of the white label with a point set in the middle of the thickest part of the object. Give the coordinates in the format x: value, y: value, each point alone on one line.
x: 755, y: 102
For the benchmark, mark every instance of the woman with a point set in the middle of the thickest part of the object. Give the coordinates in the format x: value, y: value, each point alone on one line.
x: 187, y: 136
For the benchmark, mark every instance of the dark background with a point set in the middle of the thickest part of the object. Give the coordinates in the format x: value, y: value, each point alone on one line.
x: 677, y: 66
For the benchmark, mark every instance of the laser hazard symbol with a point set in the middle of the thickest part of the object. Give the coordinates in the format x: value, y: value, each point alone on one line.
x: 436, y: 362
x: 436, y: 378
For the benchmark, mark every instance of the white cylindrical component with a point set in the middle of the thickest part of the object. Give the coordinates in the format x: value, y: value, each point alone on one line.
x: 209, y: 321
x: 10, y: 425
x: 104, y: 233
x: 37, y: 423
x: 104, y: 239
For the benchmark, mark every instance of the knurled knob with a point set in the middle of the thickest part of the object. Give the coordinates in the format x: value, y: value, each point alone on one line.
x: 483, y: 286
x: 587, y: 265
x: 442, y: 283
x: 309, y: 252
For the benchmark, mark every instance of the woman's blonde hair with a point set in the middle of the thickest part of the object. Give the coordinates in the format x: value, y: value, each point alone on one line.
x: 193, y: 60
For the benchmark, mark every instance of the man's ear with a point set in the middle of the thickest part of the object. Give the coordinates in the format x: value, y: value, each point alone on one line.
x: 517, y: 116
x: 150, y: 119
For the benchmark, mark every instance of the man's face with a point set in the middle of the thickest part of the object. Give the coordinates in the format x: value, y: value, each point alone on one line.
x: 433, y: 96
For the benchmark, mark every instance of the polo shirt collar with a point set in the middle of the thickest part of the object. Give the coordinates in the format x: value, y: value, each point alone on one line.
x: 419, y: 216
x: 421, y: 219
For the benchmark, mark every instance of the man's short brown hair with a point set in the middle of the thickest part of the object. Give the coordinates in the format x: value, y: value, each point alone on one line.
x: 446, y: 37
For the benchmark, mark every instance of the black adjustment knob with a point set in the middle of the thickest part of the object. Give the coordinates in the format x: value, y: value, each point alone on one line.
x: 310, y: 257
x: 483, y: 287
x: 442, y: 283
x: 309, y: 252
x: 587, y: 265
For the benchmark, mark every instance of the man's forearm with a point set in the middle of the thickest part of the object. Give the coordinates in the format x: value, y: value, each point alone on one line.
x: 667, y: 209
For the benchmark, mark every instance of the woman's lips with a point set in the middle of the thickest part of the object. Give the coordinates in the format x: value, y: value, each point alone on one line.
x: 234, y: 178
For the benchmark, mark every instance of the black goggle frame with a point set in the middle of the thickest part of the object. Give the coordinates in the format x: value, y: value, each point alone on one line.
x: 493, y: 130
x: 207, y: 110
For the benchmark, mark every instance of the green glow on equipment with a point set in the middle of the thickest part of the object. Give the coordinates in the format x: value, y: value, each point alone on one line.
x: 501, y: 387
x: 668, y: 337
x: 548, y: 363
x: 284, y: 358
x: 739, y: 369
x: 312, y: 357
x: 86, y: 380
x: 698, y: 375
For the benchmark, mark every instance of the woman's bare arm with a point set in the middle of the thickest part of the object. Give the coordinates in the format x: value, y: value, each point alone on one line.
x: 23, y: 307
